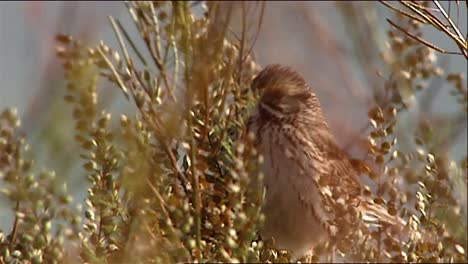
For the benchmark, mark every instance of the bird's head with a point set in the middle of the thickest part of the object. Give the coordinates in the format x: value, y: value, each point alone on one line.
x: 283, y: 90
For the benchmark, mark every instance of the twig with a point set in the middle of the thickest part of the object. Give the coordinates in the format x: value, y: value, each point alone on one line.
x: 14, y: 231
x: 463, y: 47
x: 155, y: 54
x: 242, y: 42
x: 120, y: 39
x: 158, y: 195
x: 455, y: 28
x: 430, y: 18
x: 156, y: 29
x: 172, y: 43
x: 114, y: 72
x: 422, y: 40
x: 403, y: 12
x: 259, y: 26
x: 196, y: 196
x: 132, y: 44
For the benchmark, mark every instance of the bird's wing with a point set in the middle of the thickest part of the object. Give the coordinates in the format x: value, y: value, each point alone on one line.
x: 310, y: 165
x: 337, y: 170
x: 338, y: 174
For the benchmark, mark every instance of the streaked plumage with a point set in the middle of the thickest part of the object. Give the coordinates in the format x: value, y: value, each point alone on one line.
x: 306, y: 173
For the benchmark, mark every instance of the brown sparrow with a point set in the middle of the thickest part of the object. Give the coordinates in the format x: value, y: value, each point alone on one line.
x: 307, y: 177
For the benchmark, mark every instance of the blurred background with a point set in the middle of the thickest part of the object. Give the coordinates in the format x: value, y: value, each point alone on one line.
x: 335, y: 45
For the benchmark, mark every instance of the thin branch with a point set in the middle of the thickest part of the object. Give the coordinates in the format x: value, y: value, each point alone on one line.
x: 14, y: 232
x: 154, y: 53
x: 158, y: 195
x: 428, y: 16
x: 196, y: 195
x: 132, y: 44
x: 462, y: 47
x: 259, y: 26
x: 172, y: 43
x: 430, y: 45
x: 114, y: 72
x: 242, y: 42
x: 403, y: 12
x: 120, y: 39
x: 156, y: 29
x: 454, y: 27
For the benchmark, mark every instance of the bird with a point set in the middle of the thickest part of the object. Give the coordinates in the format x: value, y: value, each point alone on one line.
x: 309, y: 181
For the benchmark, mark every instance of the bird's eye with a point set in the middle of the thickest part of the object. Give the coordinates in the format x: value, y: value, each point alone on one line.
x: 290, y: 104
